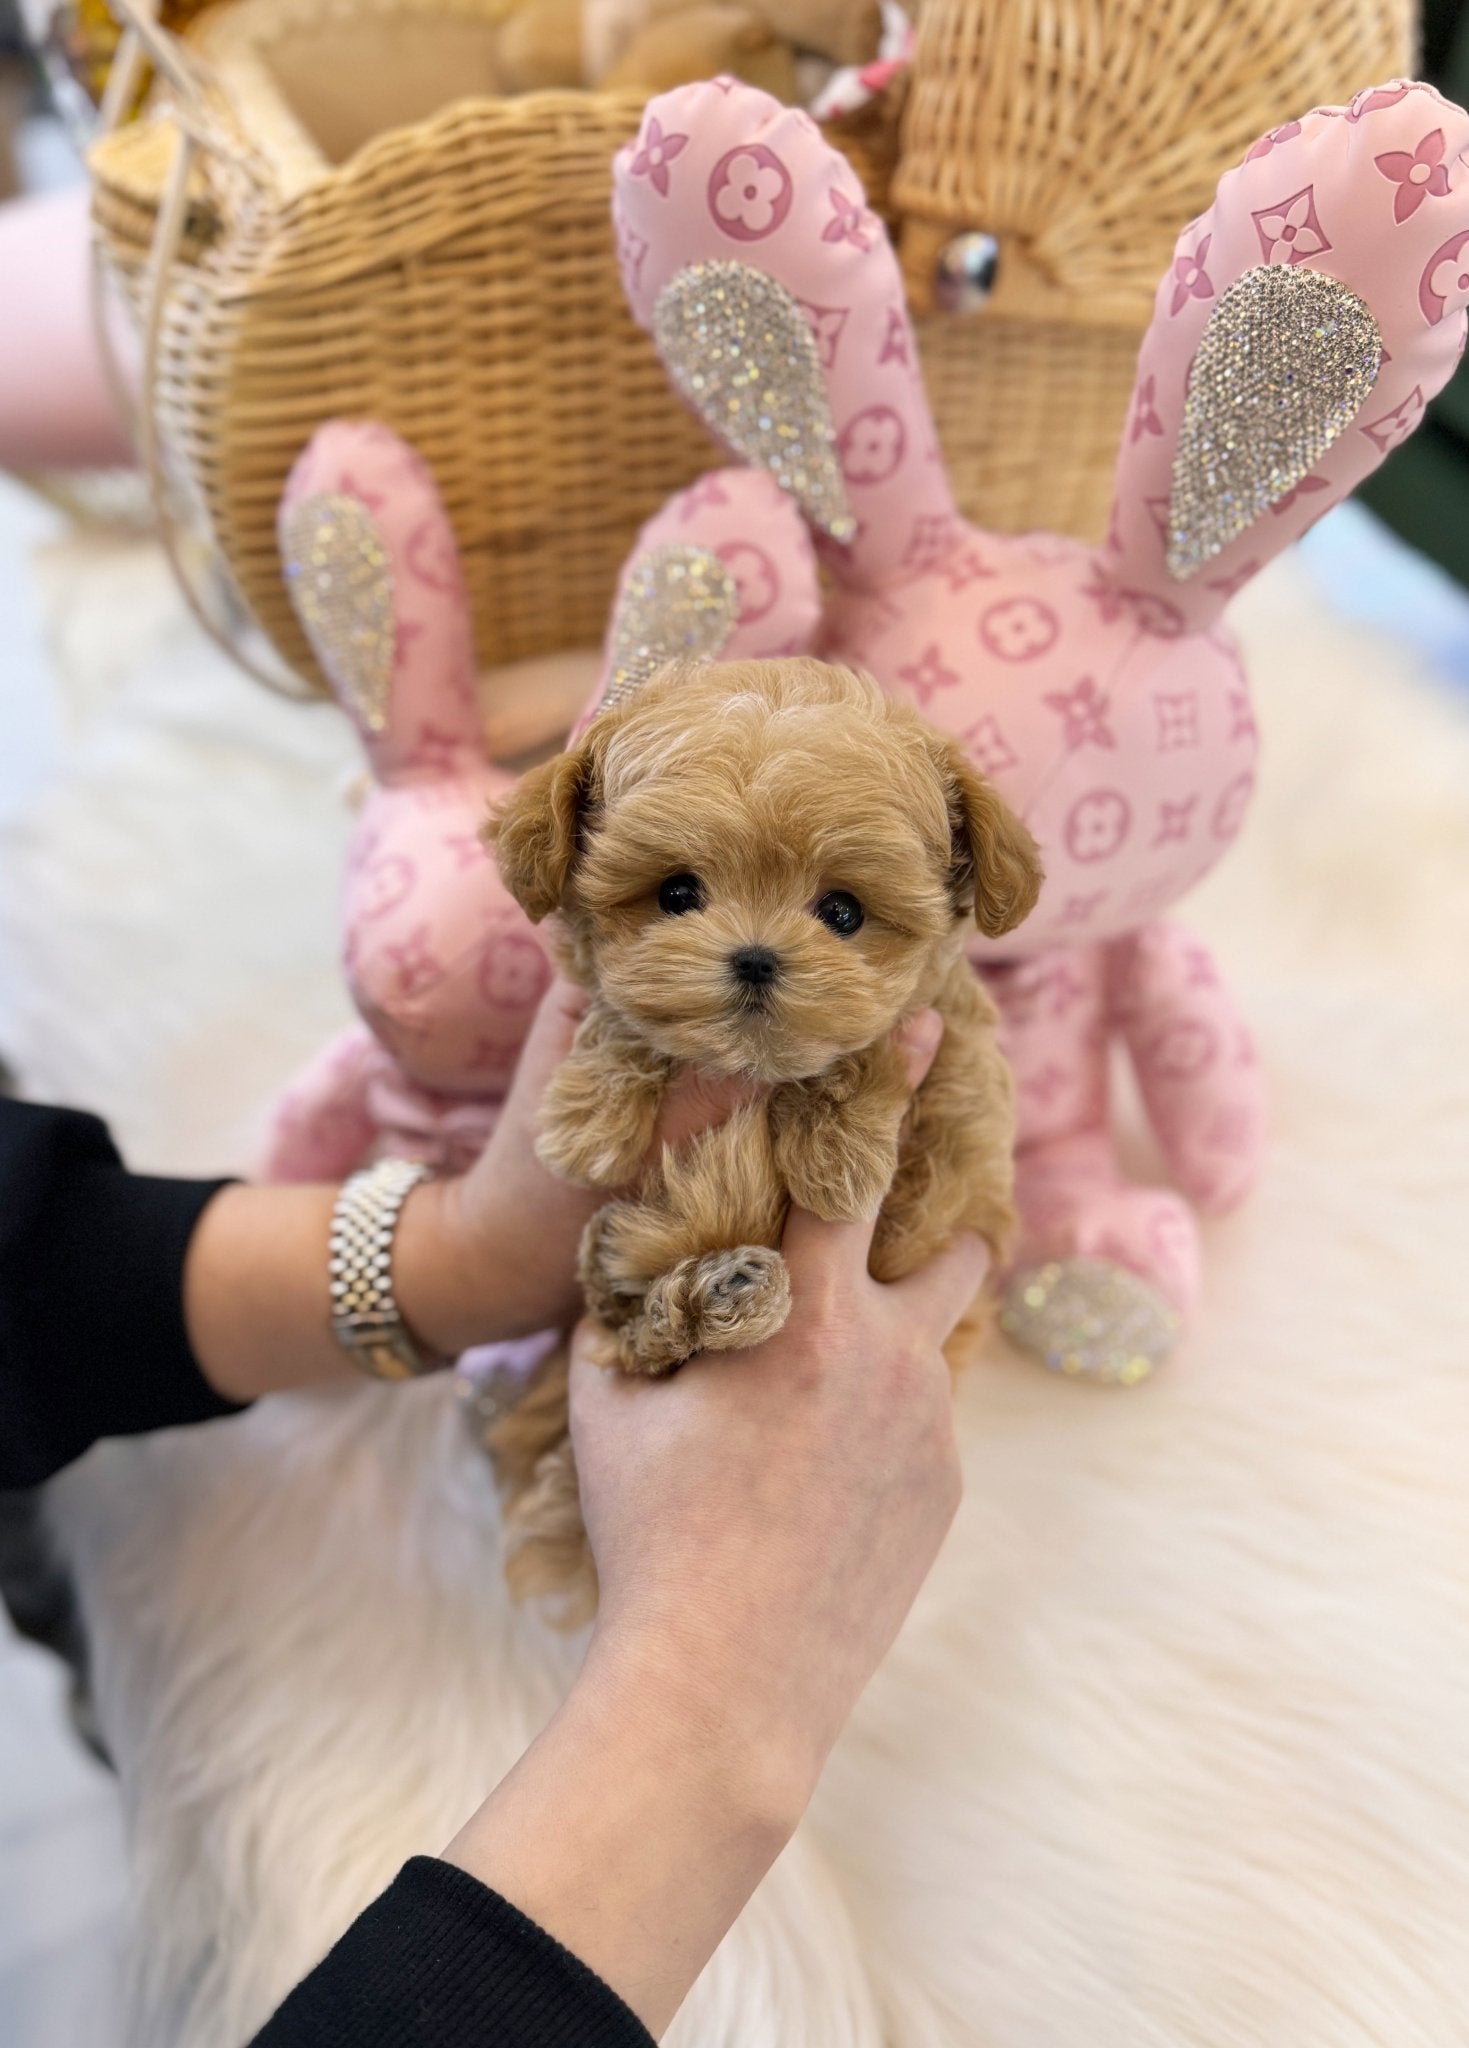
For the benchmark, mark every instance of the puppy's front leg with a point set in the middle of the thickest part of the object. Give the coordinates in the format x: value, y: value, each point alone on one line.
x: 599, y: 1111
x: 956, y: 1168
x: 691, y: 1265
x: 836, y: 1136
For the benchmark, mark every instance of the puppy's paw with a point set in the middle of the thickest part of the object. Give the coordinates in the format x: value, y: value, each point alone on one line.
x: 718, y: 1301
x: 594, y: 1152
x: 836, y: 1137
x: 839, y: 1171
x: 608, y: 1271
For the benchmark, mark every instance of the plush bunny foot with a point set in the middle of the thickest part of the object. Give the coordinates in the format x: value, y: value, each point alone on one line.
x: 718, y: 1301
x: 1090, y: 1320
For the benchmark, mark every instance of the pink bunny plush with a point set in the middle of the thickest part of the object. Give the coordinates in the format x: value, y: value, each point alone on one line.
x: 1304, y: 322
x: 441, y: 962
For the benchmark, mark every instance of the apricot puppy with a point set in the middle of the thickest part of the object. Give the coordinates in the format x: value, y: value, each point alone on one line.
x: 761, y: 867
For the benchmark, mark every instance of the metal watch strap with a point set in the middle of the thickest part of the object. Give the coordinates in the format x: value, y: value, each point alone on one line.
x: 365, y: 1318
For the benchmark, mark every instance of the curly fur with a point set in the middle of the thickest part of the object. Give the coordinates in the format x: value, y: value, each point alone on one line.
x: 772, y: 782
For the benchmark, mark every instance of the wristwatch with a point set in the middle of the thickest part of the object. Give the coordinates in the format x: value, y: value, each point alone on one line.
x: 365, y: 1317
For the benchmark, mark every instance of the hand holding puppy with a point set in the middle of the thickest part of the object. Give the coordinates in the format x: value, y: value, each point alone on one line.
x: 760, y: 869
x: 760, y: 1532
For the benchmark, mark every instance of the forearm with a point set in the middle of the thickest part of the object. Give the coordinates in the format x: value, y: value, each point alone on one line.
x: 635, y: 1828
x: 257, y: 1299
x: 257, y: 1305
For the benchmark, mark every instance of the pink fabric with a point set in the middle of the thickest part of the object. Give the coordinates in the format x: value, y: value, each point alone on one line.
x: 57, y: 408
x: 440, y: 960
x: 1101, y: 697
x: 1106, y: 701
x: 1159, y: 992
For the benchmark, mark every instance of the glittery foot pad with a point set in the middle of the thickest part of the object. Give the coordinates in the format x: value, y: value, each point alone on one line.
x: 1090, y: 1320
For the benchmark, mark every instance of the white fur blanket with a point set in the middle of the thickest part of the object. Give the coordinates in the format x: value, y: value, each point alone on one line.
x: 1172, y: 1754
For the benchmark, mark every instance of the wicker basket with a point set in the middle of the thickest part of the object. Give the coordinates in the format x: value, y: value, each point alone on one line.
x: 453, y: 274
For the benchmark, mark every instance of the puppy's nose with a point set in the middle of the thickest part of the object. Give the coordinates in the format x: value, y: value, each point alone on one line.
x: 755, y: 966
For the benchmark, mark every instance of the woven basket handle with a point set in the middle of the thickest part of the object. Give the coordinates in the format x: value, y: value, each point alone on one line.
x: 146, y: 41
x: 204, y: 129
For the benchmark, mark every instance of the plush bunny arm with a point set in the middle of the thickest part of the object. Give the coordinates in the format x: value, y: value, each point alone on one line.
x: 1196, y: 1064
x: 1305, y: 322
x: 795, y: 348
x: 322, y: 1128
x: 374, y: 574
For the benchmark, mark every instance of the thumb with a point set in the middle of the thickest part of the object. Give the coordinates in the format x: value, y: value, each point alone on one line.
x: 918, y: 1038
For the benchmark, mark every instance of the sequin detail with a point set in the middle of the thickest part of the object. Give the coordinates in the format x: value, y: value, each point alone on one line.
x: 341, y: 582
x: 1089, y: 1320
x: 1287, y: 359
x: 741, y: 351
x: 678, y: 603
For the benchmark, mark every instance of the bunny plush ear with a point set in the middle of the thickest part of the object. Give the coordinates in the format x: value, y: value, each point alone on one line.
x: 723, y: 572
x: 374, y: 574
x: 750, y: 254
x: 1304, y: 324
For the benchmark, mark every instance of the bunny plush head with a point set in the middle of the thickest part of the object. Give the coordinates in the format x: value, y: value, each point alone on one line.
x: 1301, y: 327
x: 1049, y: 152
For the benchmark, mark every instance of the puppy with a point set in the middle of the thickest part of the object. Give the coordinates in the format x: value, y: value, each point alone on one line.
x: 760, y: 867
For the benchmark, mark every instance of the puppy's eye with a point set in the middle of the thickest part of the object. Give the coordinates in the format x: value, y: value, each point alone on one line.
x: 680, y: 893
x: 840, y: 913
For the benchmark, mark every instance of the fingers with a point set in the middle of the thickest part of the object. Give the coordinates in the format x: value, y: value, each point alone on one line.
x: 696, y: 1102
x: 825, y: 1256
x: 938, y: 1294
x: 918, y: 1038
x: 547, y: 1043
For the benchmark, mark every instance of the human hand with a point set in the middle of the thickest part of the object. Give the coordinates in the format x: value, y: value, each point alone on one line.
x: 761, y: 1524
x: 492, y: 1253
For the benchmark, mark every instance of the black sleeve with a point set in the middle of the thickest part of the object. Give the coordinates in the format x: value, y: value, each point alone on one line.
x: 92, y: 1338
x: 440, y: 1961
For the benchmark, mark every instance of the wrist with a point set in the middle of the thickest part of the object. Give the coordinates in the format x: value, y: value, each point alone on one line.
x: 440, y: 1271
x: 729, y: 1745
x: 632, y: 1829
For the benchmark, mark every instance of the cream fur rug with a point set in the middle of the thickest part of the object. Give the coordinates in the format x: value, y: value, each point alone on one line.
x: 1173, y: 1753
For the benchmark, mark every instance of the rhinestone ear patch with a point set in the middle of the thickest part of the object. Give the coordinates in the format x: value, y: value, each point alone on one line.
x: 678, y: 602
x: 740, y: 350
x: 1286, y: 361
x: 341, y: 582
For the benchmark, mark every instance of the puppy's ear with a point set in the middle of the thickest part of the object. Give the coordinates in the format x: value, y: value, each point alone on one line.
x: 536, y: 830
x: 995, y: 858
